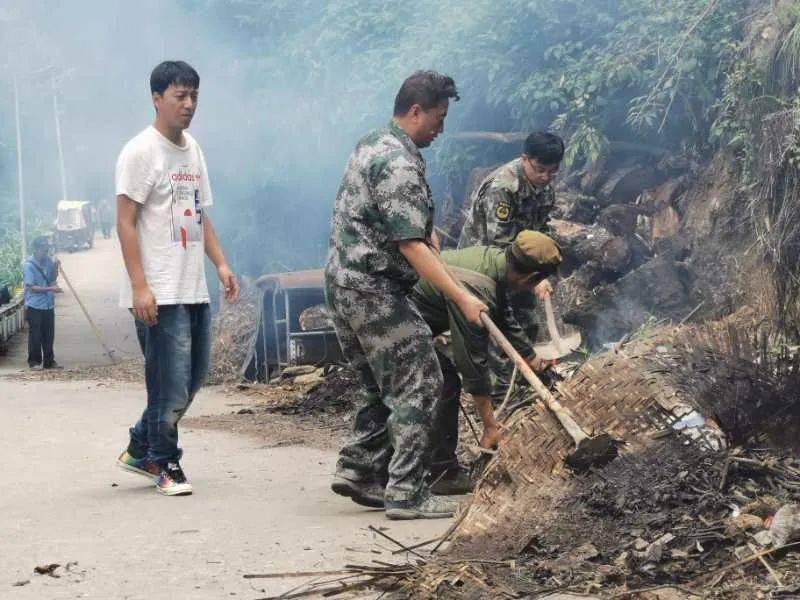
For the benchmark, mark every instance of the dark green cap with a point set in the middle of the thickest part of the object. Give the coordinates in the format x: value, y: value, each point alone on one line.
x: 534, y: 251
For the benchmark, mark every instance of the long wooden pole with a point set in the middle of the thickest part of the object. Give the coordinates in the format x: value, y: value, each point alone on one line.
x: 563, y: 415
x: 97, y: 333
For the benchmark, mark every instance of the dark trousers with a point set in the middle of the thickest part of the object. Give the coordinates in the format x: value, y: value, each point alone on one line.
x: 176, y: 354
x: 41, y: 333
x: 445, y: 428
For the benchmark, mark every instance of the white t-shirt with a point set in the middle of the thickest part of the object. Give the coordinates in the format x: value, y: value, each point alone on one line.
x: 171, y: 184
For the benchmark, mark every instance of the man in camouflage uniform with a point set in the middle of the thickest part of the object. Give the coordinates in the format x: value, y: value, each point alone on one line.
x: 514, y: 197
x: 491, y: 274
x: 381, y: 238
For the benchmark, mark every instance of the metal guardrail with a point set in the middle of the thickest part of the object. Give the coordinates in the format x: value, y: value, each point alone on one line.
x: 12, y: 318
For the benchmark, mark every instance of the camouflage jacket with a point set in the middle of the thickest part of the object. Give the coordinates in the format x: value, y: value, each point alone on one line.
x: 503, y: 205
x: 383, y: 199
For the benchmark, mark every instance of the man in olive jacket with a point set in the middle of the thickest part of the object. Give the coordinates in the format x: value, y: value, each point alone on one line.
x: 491, y: 274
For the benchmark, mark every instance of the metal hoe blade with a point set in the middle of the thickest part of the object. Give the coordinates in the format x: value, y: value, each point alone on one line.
x: 595, y: 451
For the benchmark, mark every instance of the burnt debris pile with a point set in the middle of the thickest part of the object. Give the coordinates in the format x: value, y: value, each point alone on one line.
x: 703, y: 498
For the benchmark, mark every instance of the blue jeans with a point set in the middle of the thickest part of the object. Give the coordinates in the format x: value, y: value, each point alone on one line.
x: 176, y: 354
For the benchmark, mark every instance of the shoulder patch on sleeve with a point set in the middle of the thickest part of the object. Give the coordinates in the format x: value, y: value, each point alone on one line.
x: 503, y: 211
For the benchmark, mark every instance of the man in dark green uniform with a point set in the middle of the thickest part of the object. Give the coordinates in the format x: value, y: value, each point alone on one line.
x: 492, y: 274
x: 380, y: 245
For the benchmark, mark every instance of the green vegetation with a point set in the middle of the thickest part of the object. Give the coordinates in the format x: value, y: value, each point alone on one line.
x: 10, y: 263
x: 600, y: 70
x: 650, y: 72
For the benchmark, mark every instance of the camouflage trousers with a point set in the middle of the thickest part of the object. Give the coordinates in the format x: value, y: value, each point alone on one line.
x: 390, y: 346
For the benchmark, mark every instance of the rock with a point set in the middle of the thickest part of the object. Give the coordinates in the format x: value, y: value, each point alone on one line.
x: 622, y: 559
x: 587, y: 551
x: 763, y: 538
x: 655, y: 551
x: 785, y: 526
x: 625, y: 185
x: 47, y: 569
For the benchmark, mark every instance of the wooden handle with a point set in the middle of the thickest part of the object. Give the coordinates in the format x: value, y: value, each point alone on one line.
x: 562, y: 414
x: 97, y: 333
x: 552, y: 329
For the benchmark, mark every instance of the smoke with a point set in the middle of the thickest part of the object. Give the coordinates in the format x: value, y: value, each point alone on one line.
x: 277, y: 116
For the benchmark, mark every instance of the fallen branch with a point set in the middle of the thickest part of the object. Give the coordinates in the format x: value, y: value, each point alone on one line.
x: 419, y: 545
x: 749, y: 559
x: 394, y: 541
x: 767, y: 566
x: 288, y: 574
x: 683, y: 589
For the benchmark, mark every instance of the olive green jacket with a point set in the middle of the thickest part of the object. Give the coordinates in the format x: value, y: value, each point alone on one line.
x: 482, y: 270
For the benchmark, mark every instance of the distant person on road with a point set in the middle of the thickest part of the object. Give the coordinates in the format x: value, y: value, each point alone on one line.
x: 39, y: 275
x: 106, y: 216
x: 164, y: 231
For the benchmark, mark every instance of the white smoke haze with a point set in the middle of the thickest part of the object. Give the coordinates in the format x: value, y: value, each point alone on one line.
x: 276, y: 128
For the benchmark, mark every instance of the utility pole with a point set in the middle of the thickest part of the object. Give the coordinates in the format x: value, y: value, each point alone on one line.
x: 58, y: 141
x: 20, y: 187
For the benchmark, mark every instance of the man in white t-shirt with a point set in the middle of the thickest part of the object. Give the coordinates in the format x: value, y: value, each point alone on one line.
x: 162, y: 195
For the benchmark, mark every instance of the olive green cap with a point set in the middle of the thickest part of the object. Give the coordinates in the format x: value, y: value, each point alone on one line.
x: 535, y: 251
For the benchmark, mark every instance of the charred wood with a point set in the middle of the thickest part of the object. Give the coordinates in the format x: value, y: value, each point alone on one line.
x: 625, y: 185
x: 591, y: 244
x: 660, y: 287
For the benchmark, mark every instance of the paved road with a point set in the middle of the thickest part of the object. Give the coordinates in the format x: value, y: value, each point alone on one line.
x: 62, y: 500
x: 256, y: 509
